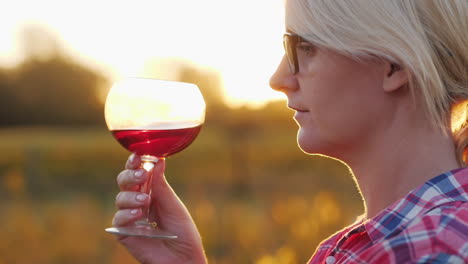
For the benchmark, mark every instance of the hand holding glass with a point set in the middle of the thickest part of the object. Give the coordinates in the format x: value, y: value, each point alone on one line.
x: 154, y: 119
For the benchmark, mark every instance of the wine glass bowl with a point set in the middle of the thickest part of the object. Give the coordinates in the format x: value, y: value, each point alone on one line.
x: 154, y: 119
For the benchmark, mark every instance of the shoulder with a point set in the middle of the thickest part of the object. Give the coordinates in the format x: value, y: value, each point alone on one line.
x: 439, y: 235
x: 445, y: 222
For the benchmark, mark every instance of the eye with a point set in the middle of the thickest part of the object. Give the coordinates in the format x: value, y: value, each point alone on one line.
x: 306, y: 48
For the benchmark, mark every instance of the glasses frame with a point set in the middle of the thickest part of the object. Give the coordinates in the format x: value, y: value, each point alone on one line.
x: 290, y: 41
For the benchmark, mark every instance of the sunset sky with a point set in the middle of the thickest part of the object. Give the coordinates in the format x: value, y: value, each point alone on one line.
x: 241, y: 39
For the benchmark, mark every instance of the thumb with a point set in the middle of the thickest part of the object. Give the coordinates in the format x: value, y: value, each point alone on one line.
x: 166, y: 204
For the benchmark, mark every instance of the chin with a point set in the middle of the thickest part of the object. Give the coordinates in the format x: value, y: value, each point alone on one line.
x: 311, y: 149
x: 308, y: 142
x: 314, y: 144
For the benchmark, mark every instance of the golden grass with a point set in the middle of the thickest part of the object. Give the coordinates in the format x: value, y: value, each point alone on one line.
x: 255, y: 198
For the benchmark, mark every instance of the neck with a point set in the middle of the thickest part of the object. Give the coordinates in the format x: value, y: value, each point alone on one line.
x: 387, y: 170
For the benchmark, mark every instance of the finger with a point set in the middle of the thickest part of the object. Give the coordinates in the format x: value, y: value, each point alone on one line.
x: 133, y: 162
x: 128, y: 200
x: 126, y: 216
x: 131, y: 179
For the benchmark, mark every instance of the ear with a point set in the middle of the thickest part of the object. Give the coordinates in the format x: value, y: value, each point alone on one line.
x: 395, y: 77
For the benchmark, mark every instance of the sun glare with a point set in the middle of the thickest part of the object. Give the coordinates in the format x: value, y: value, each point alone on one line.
x: 148, y: 104
x: 240, y: 39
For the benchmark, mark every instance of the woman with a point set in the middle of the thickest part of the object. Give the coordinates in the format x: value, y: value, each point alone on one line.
x: 382, y: 86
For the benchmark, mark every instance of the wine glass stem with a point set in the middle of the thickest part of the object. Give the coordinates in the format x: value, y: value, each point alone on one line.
x: 148, y: 163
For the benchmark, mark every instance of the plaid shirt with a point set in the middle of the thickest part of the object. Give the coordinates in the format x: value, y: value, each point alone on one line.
x: 429, y: 225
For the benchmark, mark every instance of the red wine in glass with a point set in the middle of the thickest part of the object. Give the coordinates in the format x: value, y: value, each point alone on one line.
x: 156, y: 142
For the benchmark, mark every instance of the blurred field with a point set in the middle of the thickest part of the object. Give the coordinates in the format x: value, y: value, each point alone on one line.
x: 255, y: 198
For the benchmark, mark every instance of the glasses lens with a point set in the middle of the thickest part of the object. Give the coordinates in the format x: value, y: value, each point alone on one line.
x: 290, y: 52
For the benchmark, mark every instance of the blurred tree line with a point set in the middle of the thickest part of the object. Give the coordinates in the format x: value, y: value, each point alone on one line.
x: 50, y: 87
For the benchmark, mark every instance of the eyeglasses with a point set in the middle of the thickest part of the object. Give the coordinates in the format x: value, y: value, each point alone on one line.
x: 290, y: 41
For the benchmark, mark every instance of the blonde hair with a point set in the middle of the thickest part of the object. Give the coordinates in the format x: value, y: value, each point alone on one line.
x: 427, y: 38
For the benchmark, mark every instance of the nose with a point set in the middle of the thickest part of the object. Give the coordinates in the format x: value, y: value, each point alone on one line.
x: 282, y: 80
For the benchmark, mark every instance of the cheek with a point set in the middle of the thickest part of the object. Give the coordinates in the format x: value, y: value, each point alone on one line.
x: 344, y: 107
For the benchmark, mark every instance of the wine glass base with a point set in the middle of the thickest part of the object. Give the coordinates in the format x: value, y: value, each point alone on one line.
x: 140, y: 231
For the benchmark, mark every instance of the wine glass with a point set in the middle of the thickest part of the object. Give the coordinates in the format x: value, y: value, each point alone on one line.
x: 154, y: 119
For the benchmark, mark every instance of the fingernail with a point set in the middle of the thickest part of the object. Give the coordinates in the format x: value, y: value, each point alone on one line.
x: 138, y: 174
x: 141, y: 197
x: 132, y: 158
x: 134, y: 211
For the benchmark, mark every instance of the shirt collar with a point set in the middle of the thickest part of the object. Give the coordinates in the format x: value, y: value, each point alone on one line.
x: 447, y: 187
